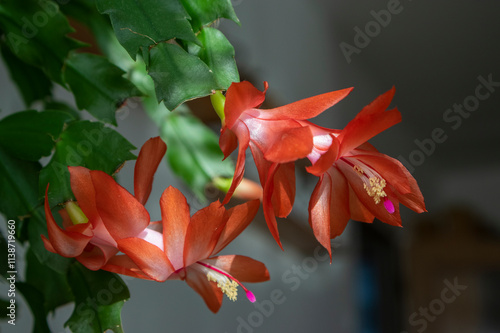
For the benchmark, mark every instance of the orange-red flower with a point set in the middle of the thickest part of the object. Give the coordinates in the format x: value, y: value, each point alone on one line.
x: 188, y: 247
x: 191, y: 244
x: 356, y: 181
x: 276, y: 137
x: 111, y: 212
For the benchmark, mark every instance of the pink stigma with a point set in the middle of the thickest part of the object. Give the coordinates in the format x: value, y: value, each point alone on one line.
x: 251, y: 296
x: 389, y: 206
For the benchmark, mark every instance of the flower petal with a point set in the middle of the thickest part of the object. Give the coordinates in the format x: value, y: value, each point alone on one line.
x: 66, y: 243
x: 241, y: 96
x: 150, y: 156
x: 84, y: 192
x: 358, y: 210
x: 243, y: 268
x: 209, y: 291
x: 122, y: 264
x: 203, y: 232
x: 283, y: 193
x: 339, y: 203
x: 119, y: 210
x: 306, y: 108
x: 238, y: 218
x: 175, y: 219
x: 97, y: 257
x: 283, y: 190
x: 228, y: 141
x: 369, y: 122
x: 267, y: 205
x: 150, y: 259
x: 326, y: 160
x: 320, y: 214
x: 243, y: 141
x: 319, y: 211
x: 290, y: 145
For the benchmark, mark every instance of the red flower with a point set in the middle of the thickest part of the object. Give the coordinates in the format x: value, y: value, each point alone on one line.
x: 187, y: 248
x: 356, y: 181
x: 276, y: 137
x: 192, y: 242
x: 109, y: 211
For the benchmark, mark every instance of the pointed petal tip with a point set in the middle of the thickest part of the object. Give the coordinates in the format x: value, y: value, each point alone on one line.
x: 148, y: 160
x: 280, y: 245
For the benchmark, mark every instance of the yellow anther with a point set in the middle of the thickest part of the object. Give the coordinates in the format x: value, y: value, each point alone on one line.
x: 228, y: 286
x: 359, y: 170
x: 376, y: 189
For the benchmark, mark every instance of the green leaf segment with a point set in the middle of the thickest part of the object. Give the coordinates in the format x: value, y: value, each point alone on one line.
x: 185, y: 58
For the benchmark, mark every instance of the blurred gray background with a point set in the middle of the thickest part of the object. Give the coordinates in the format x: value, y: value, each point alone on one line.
x: 382, y: 279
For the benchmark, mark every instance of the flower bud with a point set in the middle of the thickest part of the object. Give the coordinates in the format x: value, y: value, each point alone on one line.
x: 75, y: 213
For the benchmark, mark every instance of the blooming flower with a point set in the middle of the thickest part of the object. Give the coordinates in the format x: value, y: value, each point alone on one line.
x: 276, y: 137
x: 104, y: 212
x: 187, y: 249
x: 356, y: 181
x: 191, y: 244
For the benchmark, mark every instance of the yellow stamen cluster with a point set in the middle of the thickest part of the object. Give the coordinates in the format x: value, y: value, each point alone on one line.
x: 376, y: 189
x: 228, y: 286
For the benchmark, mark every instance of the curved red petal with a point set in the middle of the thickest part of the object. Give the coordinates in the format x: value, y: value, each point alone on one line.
x: 339, y: 203
x: 369, y: 122
x: 203, y: 232
x: 84, y: 192
x: 243, y: 268
x: 47, y: 244
x: 150, y: 259
x: 97, y: 257
x: 119, y: 210
x: 238, y: 218
x: 150, y: 156
x: 283, y: 193
x: 306, y: 108
x: 319, y: 212
x: 209, y: 291
x: 290, y: 145
x: 66, y: 243
x: 262, y: 164
x: 267, y: 205
x: 175, y: 220
x: 326, y: 160
x: 122, y: 264
x: 358, y: 210
x: 243, y: 141
x: 228, y: 141
x: 241, y: 96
